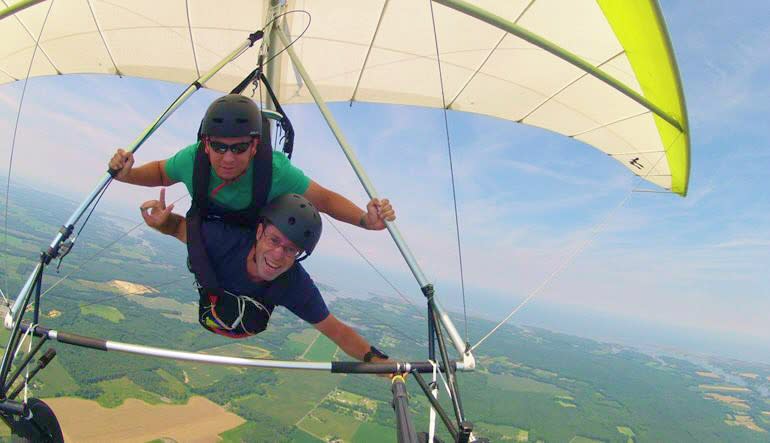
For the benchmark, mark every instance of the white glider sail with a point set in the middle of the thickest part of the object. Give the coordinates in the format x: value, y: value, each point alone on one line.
x: 601, y: 72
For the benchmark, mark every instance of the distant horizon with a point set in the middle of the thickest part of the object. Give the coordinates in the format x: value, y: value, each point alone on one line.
x: 570, y: 320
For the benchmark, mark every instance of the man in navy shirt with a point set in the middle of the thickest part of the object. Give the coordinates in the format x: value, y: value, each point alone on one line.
x: 257, y: 269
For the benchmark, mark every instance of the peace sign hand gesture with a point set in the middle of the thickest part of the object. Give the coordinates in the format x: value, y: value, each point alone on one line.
x: 157, y: 215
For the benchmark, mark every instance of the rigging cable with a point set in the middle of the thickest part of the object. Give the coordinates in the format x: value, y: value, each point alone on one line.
x: 451, y: 168
x: 127, y: 294
x: 88, y: 260
x: 13, y: 147
x: 309, y: 19
x: 595, y: 231
x: 361, y: 254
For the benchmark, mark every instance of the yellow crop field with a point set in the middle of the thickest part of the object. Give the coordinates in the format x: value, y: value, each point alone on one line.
x: 707, y: 374
x: 131, y: 288
x: 724, y: 388
x: 200, y: 420
x: 745, y: 421
x: 732, y: 401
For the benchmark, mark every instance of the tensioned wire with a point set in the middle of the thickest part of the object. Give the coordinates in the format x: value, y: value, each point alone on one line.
x: 90, y: 259
x: 369, y: 262
x: 595, y: 231
x: 13, y: 147
x: 451, y: 168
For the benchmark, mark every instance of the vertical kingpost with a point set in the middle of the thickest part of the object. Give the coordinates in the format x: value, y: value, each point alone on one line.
x: 273, y: 68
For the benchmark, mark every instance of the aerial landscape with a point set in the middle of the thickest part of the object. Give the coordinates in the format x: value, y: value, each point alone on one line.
x: 531, y: 384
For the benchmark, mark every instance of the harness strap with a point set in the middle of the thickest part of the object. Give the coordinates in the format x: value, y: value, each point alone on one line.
x: 209, y: 288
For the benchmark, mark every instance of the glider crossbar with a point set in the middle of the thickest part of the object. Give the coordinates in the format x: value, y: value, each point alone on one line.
x: 341, y: 367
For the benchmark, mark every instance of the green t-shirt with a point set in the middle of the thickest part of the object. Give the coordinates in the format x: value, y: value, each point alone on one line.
x: 237, y: 195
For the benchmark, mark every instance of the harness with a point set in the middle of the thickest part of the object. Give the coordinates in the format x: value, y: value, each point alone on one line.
x: 221, y: 311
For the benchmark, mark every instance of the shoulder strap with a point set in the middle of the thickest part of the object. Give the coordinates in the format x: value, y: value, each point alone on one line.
x: 201, y: 177
x: 199, y: 262
x: 262, y: 176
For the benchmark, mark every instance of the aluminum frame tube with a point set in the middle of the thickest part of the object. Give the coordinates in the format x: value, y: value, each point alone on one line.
x: 151, y: 351
x: 454, y: 335
x: 18, y: 6
x: 451, y: 384
x: 23, y: 364
x: 13, y: 321
x: 273, y: 70
x: 404, y: 426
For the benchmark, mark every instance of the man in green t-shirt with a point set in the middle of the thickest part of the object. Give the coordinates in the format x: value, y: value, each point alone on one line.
x: 230, y: 137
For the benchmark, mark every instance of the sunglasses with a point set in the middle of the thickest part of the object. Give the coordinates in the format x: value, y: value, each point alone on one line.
x: 235, y: 148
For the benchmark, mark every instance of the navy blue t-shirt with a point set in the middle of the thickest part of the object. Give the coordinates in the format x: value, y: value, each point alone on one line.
x: 228, y: 246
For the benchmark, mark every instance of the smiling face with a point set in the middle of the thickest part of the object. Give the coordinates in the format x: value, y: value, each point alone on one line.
x: 229, y: 165
x: 272, y: 254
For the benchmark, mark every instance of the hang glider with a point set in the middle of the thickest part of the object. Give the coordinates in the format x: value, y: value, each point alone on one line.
x: 600, y: 72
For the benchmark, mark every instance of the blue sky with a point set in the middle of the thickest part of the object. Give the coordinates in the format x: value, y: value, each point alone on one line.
x: 527, y: 198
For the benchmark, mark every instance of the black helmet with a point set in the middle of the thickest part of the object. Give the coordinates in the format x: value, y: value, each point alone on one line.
x: 232, y: 116
x: 296, y: 218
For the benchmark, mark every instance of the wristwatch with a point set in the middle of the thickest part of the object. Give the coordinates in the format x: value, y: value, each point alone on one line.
x: 374, y: 352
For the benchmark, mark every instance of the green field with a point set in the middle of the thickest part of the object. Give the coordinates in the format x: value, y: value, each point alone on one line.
x: 307, y: 336
x: 294, y: 349
x: 109, y: 313
x: 299, y: 436
x: 292, y: 397
x: 261, y: 432
x: 581, y: 439
x: 200, y: 375
x: 55, y: 381
x: 176, y: 387
x: 116, y: 391
x: 327, y: 425
x: 499, y: 432
x: 322, y: 350
x: 240, y: 349
x: 521, y: 384
x: 374, y: 433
